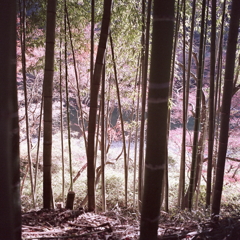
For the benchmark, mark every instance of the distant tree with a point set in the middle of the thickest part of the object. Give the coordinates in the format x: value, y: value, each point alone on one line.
x: 226, y: 104
x: 10, y: 210
x: 47, y: 91
x: 161, y: 57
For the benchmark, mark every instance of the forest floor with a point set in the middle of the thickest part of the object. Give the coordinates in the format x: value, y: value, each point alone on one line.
x: 117, y: 225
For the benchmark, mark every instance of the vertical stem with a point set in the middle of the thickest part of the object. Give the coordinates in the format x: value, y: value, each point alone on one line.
x: 103, y: 145
x: 145, y: 53
x: 61, y: 121
x: 198, y: 109
x: 67, y: 101
x: 122, y: 125
x: 92, y: 40
x: 226, y: 105
x: 94, y: 103
x: 158, y: 100
x: 183, y: 150
x: 23, y: 48
x: 10, y: 211
x: 47, y: 108
x: 137, y: 89
x: 38, y: 145
x: 211, y: 106
x: 76, y: 77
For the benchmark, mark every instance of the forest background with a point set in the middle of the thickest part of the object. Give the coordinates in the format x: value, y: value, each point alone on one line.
x: 197, y: 77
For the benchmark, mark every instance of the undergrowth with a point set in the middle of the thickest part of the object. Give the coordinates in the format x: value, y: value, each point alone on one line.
x: 114, y: 180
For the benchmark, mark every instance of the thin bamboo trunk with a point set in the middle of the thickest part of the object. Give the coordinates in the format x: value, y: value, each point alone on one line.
x: 38, y: 147
x: 217, y: 95
x: 61, y: 121
x: 226, y: 104
x: 137, y: 90
x: 190, y: 56
x: 122, y: 125
x: 47, y: 109
x: 211, y: 106
x: 67, y: 100
x: 94, y: 103
x: 23, y: 51
x: 103, y: 145
x: 92, y: 39
x: 183, y: 205
x: 77, y: 82
x: 182, y: 172
x: 198, y: 109
x: 143, y: 103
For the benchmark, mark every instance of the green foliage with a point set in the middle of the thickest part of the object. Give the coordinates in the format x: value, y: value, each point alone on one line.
x: 36, y: 15
x: 114, y: 189
x: 171, y: 161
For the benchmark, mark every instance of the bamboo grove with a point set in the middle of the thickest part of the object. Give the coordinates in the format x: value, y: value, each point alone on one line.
x: 142, y: 75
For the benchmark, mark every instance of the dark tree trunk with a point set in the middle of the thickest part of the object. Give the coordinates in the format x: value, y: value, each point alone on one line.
x: 163, y: 25
x: 181, y: 189
x: 198, y: 110
x: 142, y: 124
x: 10, y: 210
x: 226, y: 104
x: 94, y: 103
x: 211, y: 106
x: 47, y: 90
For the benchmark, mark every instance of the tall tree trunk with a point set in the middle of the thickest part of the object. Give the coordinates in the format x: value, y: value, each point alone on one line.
x: 94, y: 103
x: 163, y: 25
x: 92, y: 39
x: 198, y: 109
x: 218, y: 89
x: 121, y: 120
x: 226, y: 104
x: 15, y: 161
x: 181, y: 187
x: 142, y: 123
x: 67, y: 98
x: 175, y: 44
x: 183, y: 205
x: 61, y: 120
x: 103, y: 140
x: 10, y: 211
x: 211, y: 106
x: 16, y: 165
x: 137, y: 91
x: 47, y: 109
x: 23, y: 52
